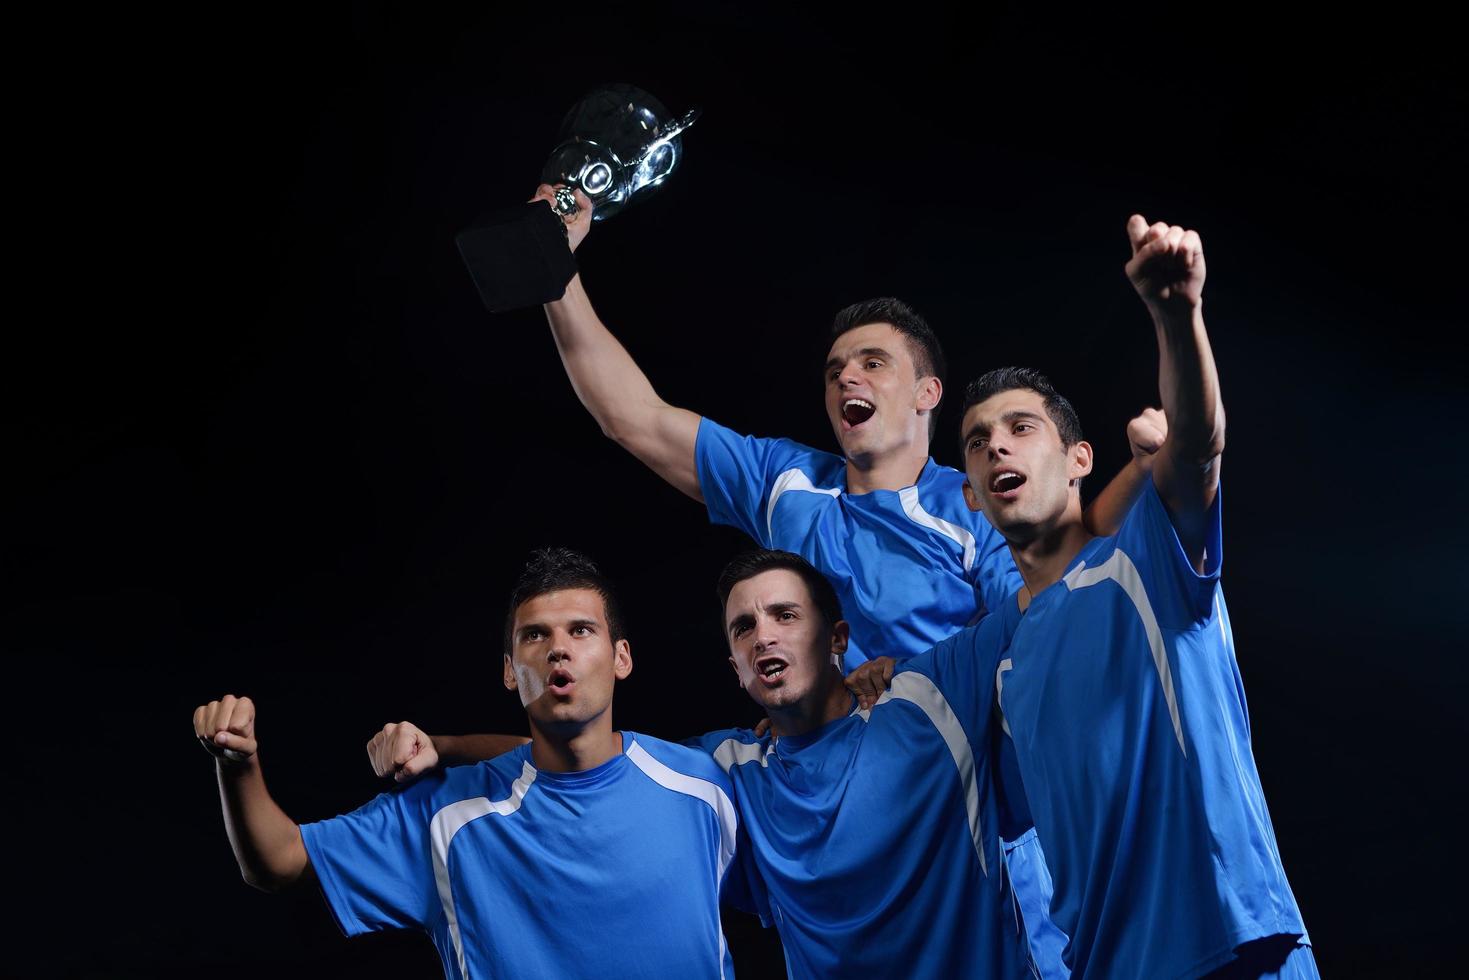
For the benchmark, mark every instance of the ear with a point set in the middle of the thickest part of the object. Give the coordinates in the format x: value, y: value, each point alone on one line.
x: 839, y: 634
x: 509, y: 674
x: 737, y: 672
x: 971, y: 498
x: 930, y: 393
x: 621, y: 659
x: 1081, y: 461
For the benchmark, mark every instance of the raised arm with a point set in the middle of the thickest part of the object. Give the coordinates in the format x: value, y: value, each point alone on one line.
x: 1145, y: 434
x: 266, y: 842
x: 1167, y: 270
x: 612, y: 386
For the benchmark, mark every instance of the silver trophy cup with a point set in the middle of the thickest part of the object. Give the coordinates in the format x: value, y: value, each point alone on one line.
x: 616, y: 145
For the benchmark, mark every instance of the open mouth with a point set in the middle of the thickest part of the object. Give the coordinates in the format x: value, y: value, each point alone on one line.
x: 857, y: 410
x: 560, y: 680
x: 1005, y: 481
x: 771, y: 669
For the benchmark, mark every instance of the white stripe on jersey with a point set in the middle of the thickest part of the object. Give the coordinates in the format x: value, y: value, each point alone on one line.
x: 700, y: 789
x: 792, y: 479
x: 1120, y: 569
x: 917, y: 689
x: 446, y: 824
x: 732, y: 752
x: 914, y: 509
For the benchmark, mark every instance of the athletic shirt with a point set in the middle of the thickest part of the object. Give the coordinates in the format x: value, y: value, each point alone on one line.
x: 910, y: 566
x: 515, y: 872
x: 874, y: 839
x: 1121, y: 690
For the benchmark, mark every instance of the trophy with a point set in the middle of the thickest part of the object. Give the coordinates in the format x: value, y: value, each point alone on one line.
x: 616, y: 145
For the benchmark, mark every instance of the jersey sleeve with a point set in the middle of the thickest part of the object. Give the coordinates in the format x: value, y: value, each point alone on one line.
x: 1182, y: 597
x: 736, y: 474
x: 743, y: 888
x: 993, y: 574
x: 962, y: 667
x: 374, y: 864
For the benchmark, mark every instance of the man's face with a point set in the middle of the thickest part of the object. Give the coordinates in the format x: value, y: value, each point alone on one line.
x: 562, y: 660
x: 874, y: 399
x: 1017, y: 471
x: 778, y: 643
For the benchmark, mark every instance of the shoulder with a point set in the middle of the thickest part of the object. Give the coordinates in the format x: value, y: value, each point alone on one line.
x: 690, y: 760
x: 714, y: 437
x: 730, y: 747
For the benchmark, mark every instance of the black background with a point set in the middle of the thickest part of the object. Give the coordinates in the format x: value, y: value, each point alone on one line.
x: 262, y: 439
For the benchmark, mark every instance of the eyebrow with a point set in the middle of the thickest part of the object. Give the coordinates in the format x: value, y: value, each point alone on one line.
x: 774, y: 609
x: 832, y: 362
x: 1014, y: 415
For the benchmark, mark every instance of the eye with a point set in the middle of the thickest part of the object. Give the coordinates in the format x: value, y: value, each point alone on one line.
x: 978, y: 443
x: 530, y: 635
x: 1023, y: 426
x: 739, y: 631
x: 873, y: 363
x: 581, y: 631
x: 787, y: 615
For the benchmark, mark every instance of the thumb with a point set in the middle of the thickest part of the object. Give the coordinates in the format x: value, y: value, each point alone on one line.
x: 1137, y: 230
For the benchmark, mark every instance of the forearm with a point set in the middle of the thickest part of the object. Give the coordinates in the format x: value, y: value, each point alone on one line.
x: 618, y: 394
x: 1188, y: 383
x: 459, y: 750
x: 1105, y: 514
x: 266, y: 842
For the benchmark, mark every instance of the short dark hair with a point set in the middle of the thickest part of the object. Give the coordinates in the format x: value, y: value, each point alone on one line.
x: 752, y: 563
x: 923, y: 343
x: 992, y: 383
x: 557, y: 569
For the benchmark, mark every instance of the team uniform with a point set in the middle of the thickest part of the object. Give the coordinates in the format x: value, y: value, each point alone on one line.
x: 910, y: 567
x: 874, y: 838
x: 515, y: 872
x: 1120, y: 687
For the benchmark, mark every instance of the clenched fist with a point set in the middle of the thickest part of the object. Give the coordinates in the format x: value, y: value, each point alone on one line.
x: 1167, y: 265
x: 1146, y: 434
x: 577, y: 225
x: 402, y: 751
x: 226, y: 728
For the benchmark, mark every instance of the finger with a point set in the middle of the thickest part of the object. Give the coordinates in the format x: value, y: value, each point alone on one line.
x: 1174, y: 238
x: 1157, y: 230
x: 1137, y: 227
x: 1193, y: 247
x: 235, y: 747
x: 199, y: 720
x: 372, y: 753
x: 405, y: 745
x: 242, y: 718
x: 544, y: 192
x: 214, y: 712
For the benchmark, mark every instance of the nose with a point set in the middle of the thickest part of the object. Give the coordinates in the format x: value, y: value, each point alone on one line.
x: 849, y: 376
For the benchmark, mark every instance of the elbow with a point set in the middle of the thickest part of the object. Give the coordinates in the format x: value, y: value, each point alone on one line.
x: 263, y: 881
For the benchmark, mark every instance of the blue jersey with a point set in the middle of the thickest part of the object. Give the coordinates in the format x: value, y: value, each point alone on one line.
x: 910, y: 566
x: 875, y: 838
x: 515, y: 872
x: 1120, y: 687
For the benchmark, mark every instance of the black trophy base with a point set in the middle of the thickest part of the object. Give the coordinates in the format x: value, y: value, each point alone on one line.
x: 518, y: 257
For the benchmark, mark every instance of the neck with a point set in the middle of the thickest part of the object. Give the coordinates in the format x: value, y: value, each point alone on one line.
x: 1042, y: 557
x: 892, y: 471
x: 822, y: 707
x: 555, y: 750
